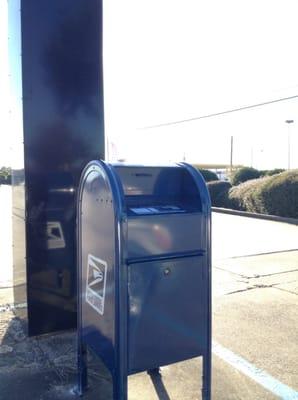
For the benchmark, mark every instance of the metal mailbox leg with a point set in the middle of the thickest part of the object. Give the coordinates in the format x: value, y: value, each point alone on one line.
x: 82, y: 368
x: 206, y: 387
x: 120, y: 388
x: 154, y: 371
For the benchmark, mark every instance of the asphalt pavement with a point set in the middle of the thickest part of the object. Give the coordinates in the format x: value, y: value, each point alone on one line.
x: 255, y: 330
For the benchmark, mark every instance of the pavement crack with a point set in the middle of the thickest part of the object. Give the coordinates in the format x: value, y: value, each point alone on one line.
x: 277, y: 273
x: 256, y: 286
x: 49, y: 361
x: 262, y: 286
x: 233, y: 273
x: 264, y: 254
x: 256, y: 276
x: 285, y: 290
x: 241, y: 290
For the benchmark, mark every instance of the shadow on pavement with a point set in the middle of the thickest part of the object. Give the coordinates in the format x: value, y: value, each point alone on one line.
x: 158, y: 384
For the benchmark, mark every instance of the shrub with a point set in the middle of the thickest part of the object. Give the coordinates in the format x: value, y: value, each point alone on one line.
x: 278, y: 195
x: 275, y: 171
x: 244, y: 174
x: 208, y: 175
x: 218, y: 191
x: 241, y: 197
x: 274, y: 195
x: 270, y: 172
x: 5, y: 176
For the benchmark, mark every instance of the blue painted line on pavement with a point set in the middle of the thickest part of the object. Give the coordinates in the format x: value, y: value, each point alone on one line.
x: 258, y: 375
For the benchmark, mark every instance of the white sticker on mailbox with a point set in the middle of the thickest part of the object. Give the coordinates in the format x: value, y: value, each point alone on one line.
x: 96, y: 283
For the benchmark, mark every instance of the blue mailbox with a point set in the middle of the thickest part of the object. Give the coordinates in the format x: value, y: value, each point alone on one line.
x: 144, y: 274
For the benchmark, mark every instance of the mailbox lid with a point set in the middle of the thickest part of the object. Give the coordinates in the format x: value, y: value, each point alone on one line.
x: 163, y: 189
x: 165, y: 234
x: 167, y: 312
x: 165, y: 210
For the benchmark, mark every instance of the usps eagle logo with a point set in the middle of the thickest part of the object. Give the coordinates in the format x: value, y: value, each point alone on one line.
x: 96, y: 283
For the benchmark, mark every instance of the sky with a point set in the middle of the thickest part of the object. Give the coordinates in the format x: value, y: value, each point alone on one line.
x: 5, y: 142
x: 171, y: 60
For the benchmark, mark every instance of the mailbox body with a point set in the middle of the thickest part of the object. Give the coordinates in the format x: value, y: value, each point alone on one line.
x: 144, y: 266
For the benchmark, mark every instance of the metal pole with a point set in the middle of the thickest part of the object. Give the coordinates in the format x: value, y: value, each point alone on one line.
x: 251, y: 156
x: 231, y: 155
x: 289, y: 121
x: 289, y: 151
x: 107, y: 149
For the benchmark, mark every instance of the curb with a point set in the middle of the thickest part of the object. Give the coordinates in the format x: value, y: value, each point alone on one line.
x: 292, y: 221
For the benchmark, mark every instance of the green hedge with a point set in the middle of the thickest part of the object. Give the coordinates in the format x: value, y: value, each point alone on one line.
x: 5, y: 176
x: 218, y: 191
x: 242, y: 196
x: 274, y: 195
x: 270, y: 172
x: 244, y: 174
x: 208, y: 175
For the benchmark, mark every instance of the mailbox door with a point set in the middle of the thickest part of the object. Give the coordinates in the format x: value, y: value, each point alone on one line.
x: 97, y: 265
x: 102, y: 292
x: 167, y: 312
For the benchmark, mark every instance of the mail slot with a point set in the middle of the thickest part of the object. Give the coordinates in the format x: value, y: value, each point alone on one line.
x: 144, y: 275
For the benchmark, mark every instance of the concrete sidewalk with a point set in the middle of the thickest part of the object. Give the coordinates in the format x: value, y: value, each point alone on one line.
x: 255, y: 311
x: 45, y: 369
x: 235, y: 236
x: 255, y: 316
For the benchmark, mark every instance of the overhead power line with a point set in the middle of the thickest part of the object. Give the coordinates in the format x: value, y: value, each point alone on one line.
x: 182, y: 121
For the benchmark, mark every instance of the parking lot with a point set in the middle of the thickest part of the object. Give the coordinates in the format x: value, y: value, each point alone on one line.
x: 255, y: 269
x: 255, y: 330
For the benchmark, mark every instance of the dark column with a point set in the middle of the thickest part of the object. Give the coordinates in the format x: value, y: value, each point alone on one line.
x: 58, y: 89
